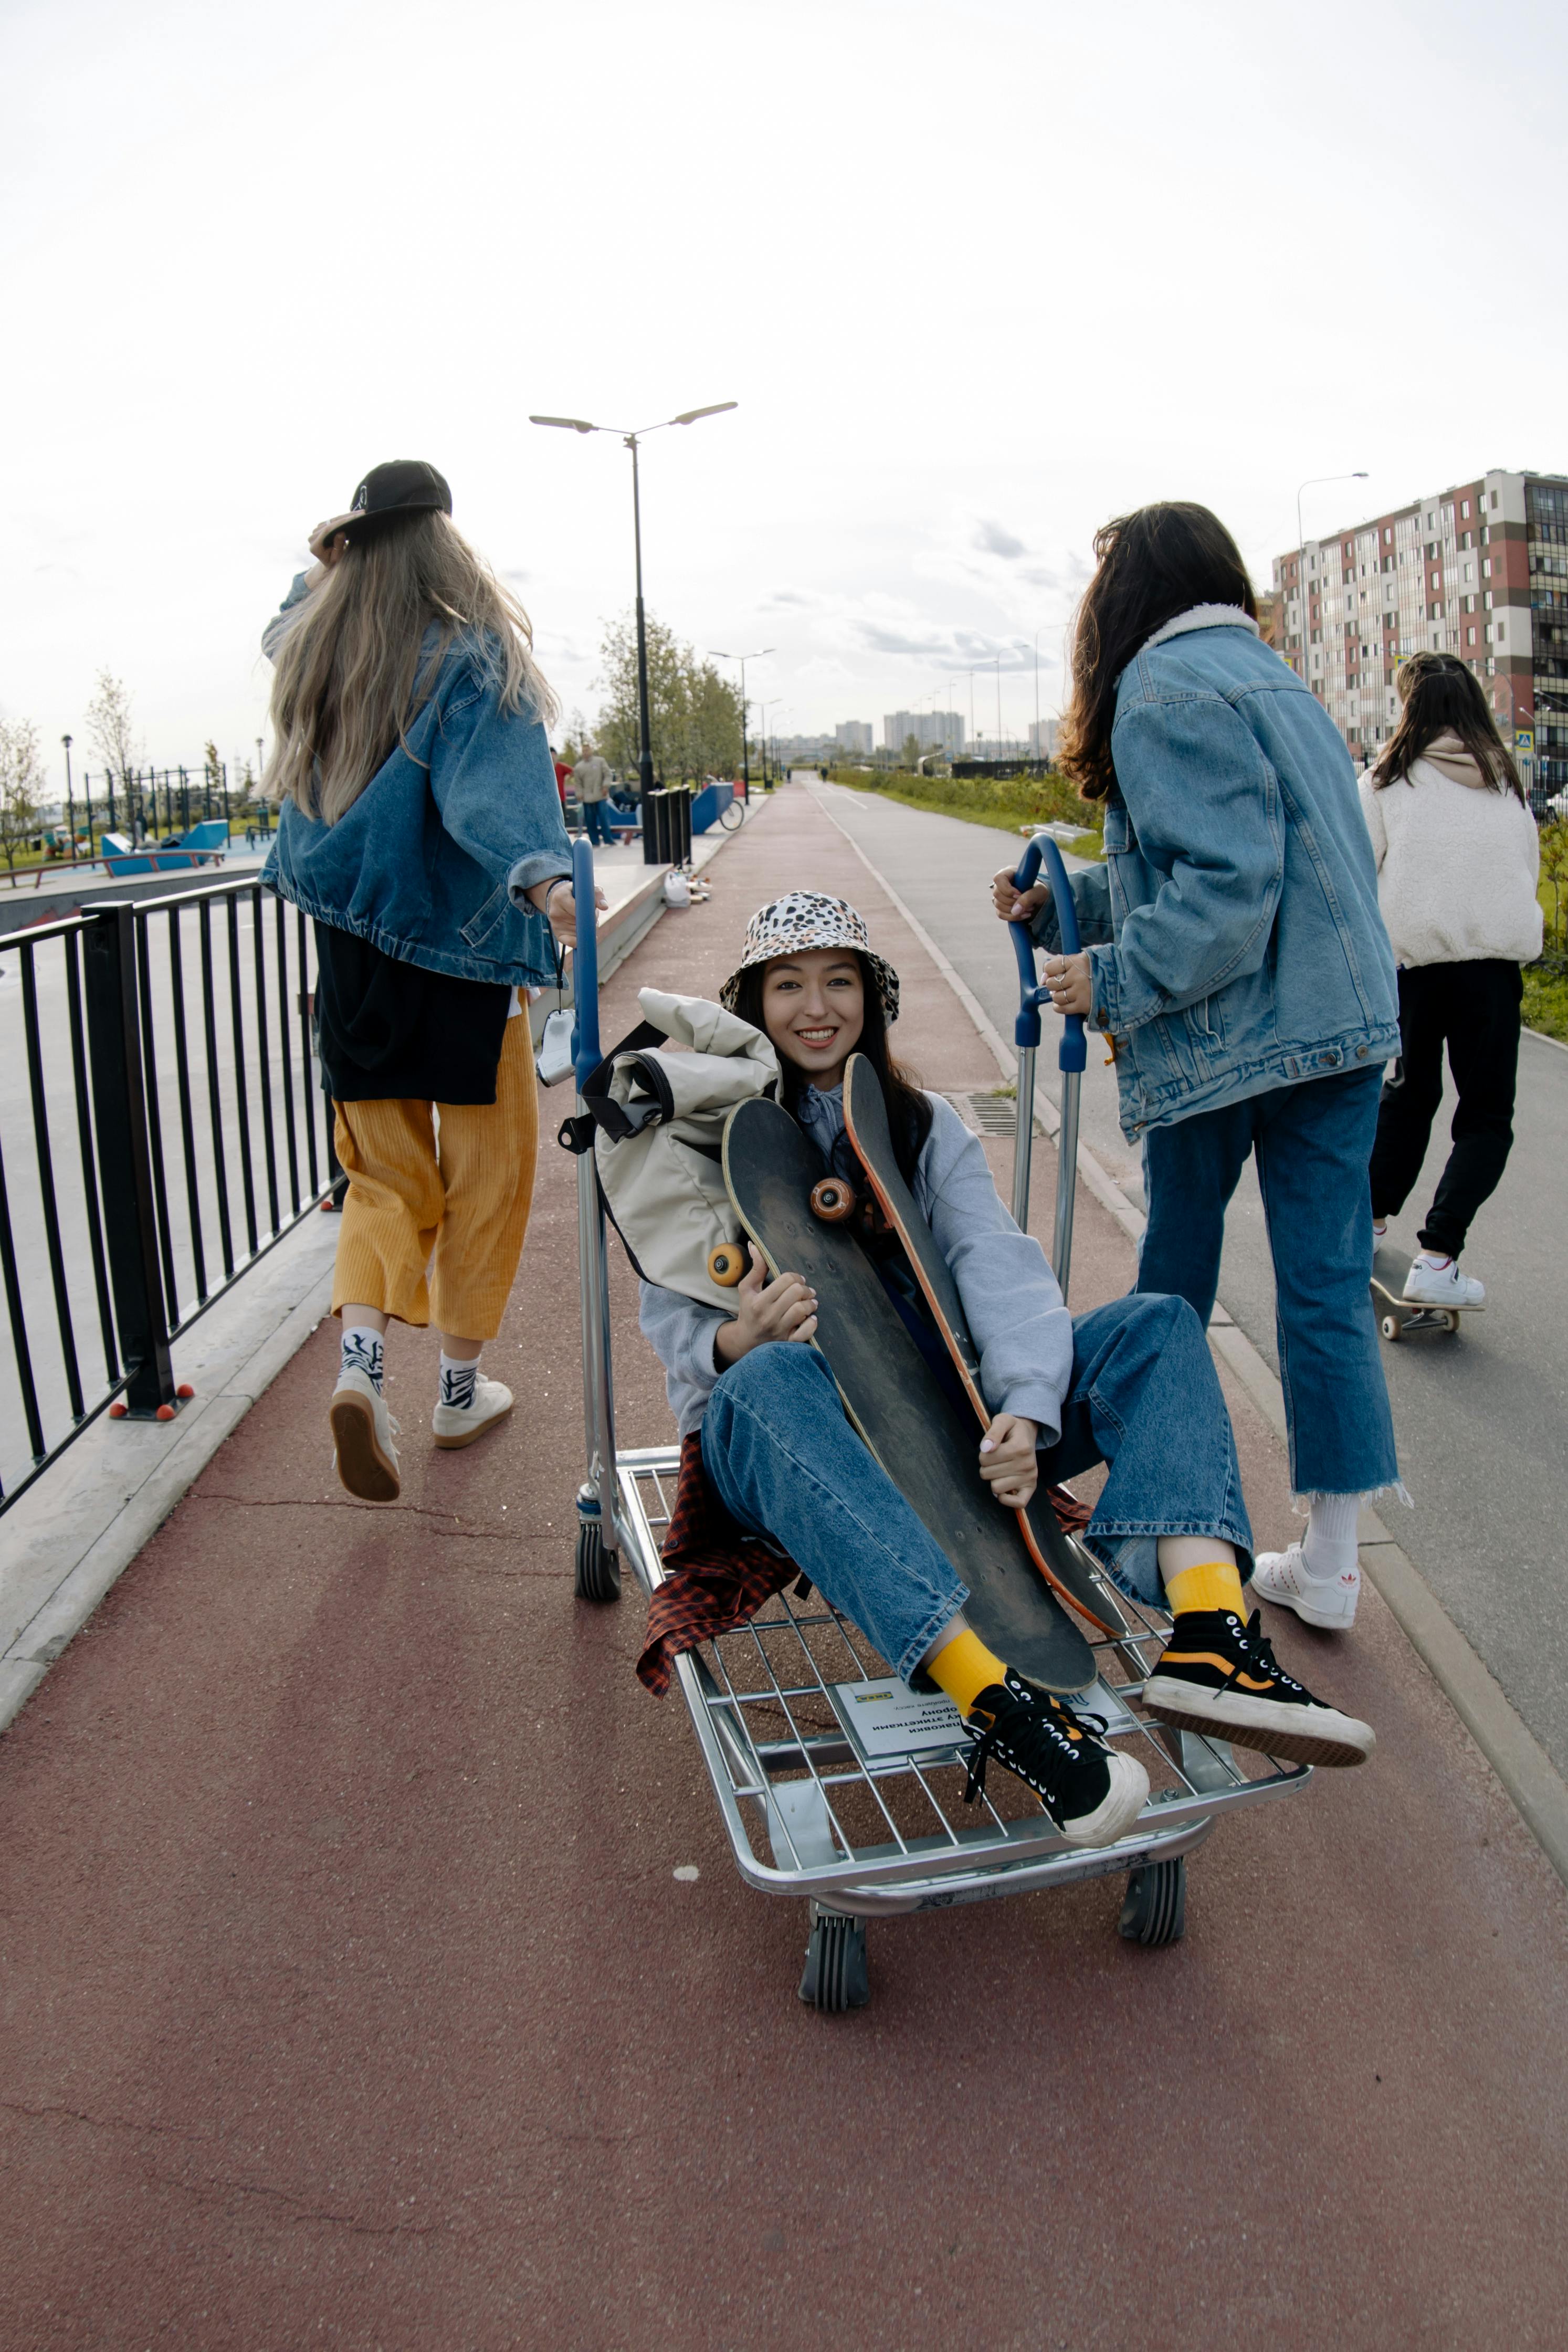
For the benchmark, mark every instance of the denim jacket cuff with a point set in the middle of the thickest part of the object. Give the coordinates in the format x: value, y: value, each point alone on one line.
x: 527, y: 871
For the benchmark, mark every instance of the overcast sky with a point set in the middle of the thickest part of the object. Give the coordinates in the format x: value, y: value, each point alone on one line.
x: 980, y: 273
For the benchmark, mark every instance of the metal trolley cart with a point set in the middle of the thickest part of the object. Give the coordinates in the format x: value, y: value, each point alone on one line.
x: 834, y: 1782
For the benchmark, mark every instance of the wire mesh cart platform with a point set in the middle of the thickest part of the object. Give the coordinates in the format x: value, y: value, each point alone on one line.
x: 835, y: 1783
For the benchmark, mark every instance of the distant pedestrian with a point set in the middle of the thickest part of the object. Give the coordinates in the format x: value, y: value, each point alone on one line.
x: 1458, y: 859
x: 1241, y: 973
x: 420, y: 828
x: 590, y: 781
x: 562, y: 775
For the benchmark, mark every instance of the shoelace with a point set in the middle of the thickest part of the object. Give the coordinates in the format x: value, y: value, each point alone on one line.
x: 1257, y: 1649
x: 982, y: 1749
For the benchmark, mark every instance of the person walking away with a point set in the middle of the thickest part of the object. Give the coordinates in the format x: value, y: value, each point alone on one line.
x: 420, y: 828
x: 562, y: 776
x: 1240, y: 969
x: 1458, y: 859
x: 592, y: 780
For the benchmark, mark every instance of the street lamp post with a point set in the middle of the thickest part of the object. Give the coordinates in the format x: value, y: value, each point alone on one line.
x: 742, y: 659
x: 631, y: 440
x: 70, y: 801
x: 1313, y: 481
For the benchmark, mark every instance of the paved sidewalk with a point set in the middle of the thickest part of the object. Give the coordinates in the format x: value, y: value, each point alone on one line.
x: 350, y: 1999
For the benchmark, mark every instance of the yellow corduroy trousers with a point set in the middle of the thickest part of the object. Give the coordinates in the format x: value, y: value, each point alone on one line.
x: 456, y: 1203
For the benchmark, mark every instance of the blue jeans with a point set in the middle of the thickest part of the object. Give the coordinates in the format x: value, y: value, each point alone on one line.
x: 1143, y: 1397
x: 1312, y: 1143
x: 596, y: 823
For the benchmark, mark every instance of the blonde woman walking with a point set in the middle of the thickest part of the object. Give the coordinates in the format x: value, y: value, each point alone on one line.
x: 421, y: 829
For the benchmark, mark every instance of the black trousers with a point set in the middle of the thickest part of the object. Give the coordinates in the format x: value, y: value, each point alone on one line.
x: 1473, y: 1009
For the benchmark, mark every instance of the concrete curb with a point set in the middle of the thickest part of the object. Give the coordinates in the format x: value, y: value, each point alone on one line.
x: 1533, y: 1781
x: 113, y: 1490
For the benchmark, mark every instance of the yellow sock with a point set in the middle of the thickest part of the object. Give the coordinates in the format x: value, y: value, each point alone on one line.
x: 1214, y: 1584
x: 964, y: 1668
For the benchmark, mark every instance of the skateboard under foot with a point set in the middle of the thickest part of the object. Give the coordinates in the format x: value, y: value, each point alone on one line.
x: 1399, y: 1318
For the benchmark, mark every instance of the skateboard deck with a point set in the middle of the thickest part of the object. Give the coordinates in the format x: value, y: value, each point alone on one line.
x: 895, y: 1402
x: 1397, y: 1316
x: 1068, y: 1569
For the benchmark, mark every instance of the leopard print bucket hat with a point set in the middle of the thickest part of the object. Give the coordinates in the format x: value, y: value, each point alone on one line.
x: 809, y: 919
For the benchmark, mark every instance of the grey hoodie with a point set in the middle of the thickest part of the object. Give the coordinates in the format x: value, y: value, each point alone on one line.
x: 1015, y: 1311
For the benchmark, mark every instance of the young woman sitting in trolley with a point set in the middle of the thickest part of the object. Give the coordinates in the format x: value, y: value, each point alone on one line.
x: 1129, y: 1383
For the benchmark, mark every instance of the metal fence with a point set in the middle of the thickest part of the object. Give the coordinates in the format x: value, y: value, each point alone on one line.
x: 161, y: 1128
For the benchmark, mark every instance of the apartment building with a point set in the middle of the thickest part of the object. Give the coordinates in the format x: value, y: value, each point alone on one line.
x: 1479, y: 570
x: 854, y: 735
x: 934, y: 730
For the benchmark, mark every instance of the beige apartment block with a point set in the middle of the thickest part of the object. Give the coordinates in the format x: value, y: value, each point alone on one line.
x: 1479, y: 570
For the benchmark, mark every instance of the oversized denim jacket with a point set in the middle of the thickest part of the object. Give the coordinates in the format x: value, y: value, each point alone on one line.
x: 431, y: 861
x: 1233, y: 932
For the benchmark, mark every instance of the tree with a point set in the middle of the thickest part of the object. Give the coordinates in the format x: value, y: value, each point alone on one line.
x: 113, y: 727
x: 21, y: 782
x: 694, y: 713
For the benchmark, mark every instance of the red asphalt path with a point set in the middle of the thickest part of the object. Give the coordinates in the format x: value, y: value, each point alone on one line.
x: 348, y: 1998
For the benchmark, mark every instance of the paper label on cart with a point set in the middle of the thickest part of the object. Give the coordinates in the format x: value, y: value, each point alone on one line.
x: 886, y: 1719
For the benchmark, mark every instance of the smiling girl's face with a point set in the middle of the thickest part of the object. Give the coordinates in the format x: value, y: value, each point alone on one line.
x: 813, y: 1009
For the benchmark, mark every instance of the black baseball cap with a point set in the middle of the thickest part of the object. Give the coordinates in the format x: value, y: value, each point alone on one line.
x: 403, y: 485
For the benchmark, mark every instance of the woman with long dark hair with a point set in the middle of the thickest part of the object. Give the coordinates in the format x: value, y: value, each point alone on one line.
x: 1457, y: 858
x: 421, y: 829
x: 1130, y: 1384
x: 1240, y: 971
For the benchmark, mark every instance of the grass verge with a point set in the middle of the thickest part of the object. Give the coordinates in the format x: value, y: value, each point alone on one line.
x: 1545, y: 1005
x: 1008, y: 803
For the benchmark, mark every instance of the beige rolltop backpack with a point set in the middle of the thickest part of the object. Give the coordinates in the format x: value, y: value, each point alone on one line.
x: 659, y: 1112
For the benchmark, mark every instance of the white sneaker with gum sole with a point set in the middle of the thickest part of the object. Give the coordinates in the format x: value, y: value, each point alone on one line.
x: 454, y: 1425
x: 362, y: 1432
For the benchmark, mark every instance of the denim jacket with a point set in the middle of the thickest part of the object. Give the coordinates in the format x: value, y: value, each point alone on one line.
x: 1233, y: 932
x: 431, y: 863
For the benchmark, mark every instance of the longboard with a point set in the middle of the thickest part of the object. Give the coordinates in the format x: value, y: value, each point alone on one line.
x: 895, y: 1402
x: 1066, y: 1568
x: 1397, y: 1316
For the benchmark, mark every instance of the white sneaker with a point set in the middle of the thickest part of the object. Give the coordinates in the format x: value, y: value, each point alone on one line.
x: 1442, y: 1285
x: 1284, y: 1578
x: 455, y: 1425
x: 362, y: 1432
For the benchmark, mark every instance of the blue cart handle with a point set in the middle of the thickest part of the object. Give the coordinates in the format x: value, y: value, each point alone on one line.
x: 585, y: 1052
x: 1074, y: 1053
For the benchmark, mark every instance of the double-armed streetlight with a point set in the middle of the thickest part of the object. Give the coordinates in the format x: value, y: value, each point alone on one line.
x: 742, y: 659
x: 581, y: 425
x: 1315, y: 481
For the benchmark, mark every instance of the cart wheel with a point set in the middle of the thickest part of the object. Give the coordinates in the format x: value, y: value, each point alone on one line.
x: 835, y: 1977
x: 1155, y: 1909
x: 1391, y: 1327
x: 598, y: 1571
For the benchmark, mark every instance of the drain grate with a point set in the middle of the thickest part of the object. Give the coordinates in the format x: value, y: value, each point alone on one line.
x: 997, y: 1114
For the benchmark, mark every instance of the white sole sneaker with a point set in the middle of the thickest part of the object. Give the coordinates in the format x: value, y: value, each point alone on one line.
x: 1329, y: 1601
x: 1300, y: 1734
x: 455, y: 1425
x: 1119, y: 1808
x: 362, y: 1432
x: 1429, y: 1287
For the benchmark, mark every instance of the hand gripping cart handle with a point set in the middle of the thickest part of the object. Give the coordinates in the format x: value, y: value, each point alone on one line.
x: 1072, y: 1054
x: 816, y: 1800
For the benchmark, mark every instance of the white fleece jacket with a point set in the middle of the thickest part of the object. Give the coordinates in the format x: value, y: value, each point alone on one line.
x: 1456, y: 864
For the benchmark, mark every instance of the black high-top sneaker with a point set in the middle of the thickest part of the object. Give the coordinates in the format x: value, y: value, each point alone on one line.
x: 1218, y: 1676
x: 1092, y: 1793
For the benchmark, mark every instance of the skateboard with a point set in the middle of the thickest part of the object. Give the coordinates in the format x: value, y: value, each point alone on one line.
x: 1065, y: 1567
x: 1397, y: 1316
x: 895, y: 1400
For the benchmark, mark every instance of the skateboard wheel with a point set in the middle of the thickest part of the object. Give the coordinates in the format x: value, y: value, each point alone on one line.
x: 832, y: 1200
x: 1391, y: 1327
x: 725, y: 1265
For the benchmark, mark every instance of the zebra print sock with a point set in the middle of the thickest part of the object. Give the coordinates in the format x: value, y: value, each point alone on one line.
x: 457, y: 1381
x: 363, y: 1353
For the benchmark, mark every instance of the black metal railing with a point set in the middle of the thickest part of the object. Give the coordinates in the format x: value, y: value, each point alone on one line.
x: 161, y: 1128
